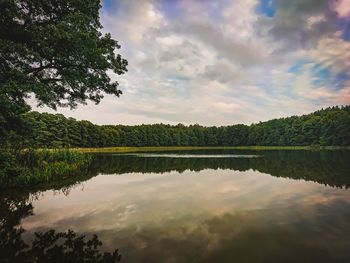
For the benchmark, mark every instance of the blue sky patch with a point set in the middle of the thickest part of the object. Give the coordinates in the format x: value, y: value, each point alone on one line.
x: 341, y: 79
x: 324, y: 77
x: 171, y: 9
x: 298, y: 66
x: 344, y: 25
x: 107, y: 5
x: 267, y: 7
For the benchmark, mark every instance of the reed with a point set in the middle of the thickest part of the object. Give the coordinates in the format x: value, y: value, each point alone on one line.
x: 31, y: 167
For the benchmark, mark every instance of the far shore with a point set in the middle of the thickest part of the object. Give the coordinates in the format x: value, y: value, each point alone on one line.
x: 189, y: 148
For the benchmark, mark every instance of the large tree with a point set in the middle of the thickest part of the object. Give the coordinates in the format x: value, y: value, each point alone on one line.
x: 54, y: 50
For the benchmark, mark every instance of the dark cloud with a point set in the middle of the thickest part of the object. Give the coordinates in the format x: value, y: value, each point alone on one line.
x: 222, y: 72
x: 299, y: 23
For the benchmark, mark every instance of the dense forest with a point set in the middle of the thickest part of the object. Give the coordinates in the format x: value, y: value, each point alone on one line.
x: 329, y: 127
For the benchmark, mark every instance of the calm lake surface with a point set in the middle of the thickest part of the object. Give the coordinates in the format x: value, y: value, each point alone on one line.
x: 202, y: 206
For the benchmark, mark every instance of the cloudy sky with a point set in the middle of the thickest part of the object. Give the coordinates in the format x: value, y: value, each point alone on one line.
x: 219, y: 62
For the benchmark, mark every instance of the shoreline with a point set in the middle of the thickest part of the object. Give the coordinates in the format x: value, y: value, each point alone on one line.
x: 192, y: 148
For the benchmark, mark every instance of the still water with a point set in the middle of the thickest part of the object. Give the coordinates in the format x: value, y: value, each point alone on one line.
x: 203, y: 206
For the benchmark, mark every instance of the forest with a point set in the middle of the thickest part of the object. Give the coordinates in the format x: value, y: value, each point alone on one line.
x: 326, y: 127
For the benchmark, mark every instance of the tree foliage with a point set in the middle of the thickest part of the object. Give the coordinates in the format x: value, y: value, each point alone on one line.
x: 329, y: 127
x: 55, y: 50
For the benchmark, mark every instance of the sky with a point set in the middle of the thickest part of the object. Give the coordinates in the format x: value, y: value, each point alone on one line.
x: 224, y: 62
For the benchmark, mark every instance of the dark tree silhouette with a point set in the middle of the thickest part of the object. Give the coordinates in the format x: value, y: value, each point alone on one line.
x: 49, y: 246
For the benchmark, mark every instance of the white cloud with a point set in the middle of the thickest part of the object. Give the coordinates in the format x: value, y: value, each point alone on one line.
x: 331, y: 52
x: 220, y: 62
x: 342, y: 7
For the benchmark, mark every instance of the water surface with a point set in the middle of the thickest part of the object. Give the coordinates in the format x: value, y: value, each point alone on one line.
x: 205, y: 206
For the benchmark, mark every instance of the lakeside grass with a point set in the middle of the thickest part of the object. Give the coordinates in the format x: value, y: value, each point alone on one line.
x: 33, y: 167
x: 191, y: 148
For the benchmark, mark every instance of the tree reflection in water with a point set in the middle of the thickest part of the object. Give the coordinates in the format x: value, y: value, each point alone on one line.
x: 329, y: 167
x: 49, y: 246
x: 324, y: 167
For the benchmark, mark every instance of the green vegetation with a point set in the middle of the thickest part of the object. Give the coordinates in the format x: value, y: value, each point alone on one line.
x: 328, y: 127
x: 54, y: 50
x: 29, y: 167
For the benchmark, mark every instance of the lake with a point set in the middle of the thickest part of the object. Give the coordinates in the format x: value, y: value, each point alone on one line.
x: 200, y: 206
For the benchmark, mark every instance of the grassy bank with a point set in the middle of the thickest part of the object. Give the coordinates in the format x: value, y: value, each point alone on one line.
x: 190, y: 148
x: 32, y: 167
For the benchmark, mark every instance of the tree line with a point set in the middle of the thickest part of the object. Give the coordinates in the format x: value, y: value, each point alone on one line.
x: 326, y: 127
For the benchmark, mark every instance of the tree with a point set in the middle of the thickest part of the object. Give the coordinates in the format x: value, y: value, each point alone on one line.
x: 55, y: 50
